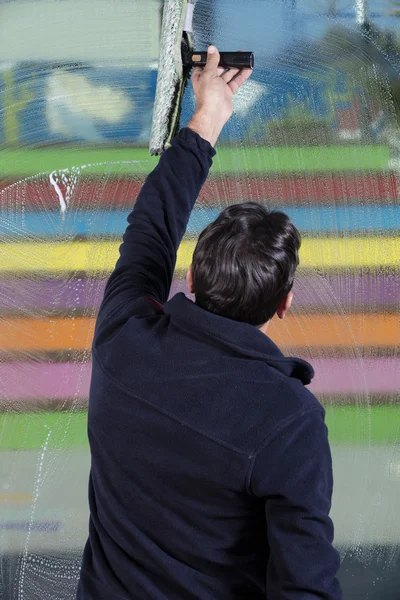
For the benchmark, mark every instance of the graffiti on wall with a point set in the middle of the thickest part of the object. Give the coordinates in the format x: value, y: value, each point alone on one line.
x: 42, y: 105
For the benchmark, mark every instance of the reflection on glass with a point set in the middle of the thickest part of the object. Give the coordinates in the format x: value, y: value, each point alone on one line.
x: 315, y: 134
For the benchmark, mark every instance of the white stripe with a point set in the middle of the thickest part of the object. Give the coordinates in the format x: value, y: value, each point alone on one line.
x: 188, y: 25
x: 59, y: 193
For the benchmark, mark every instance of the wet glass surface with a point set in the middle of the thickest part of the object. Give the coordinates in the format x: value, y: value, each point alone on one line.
x: 315, y: 133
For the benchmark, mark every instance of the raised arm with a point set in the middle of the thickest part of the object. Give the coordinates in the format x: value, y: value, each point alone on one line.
x: 161, y: 214
x: 293, y: 476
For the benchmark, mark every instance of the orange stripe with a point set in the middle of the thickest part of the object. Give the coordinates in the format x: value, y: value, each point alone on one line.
x: 296, y: 330
x: 337, y: 330
x: 45, y: 334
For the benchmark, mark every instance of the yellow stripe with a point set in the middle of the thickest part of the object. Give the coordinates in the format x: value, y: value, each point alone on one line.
x: 100, y: 257
x: 16, y: 498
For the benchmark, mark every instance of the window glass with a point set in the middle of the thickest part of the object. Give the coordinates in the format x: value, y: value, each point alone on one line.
x: 315, y: 134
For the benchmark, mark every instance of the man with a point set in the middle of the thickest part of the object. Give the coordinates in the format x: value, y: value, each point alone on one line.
x: 211, y: 471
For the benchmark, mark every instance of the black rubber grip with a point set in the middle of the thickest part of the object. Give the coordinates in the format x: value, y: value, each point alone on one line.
x: 229, y: 60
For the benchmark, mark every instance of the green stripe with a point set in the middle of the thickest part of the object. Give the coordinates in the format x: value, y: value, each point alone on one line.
x: 23, y: 162
x: 32, y: 431
x: 364, y: 425
x: 347, y: 425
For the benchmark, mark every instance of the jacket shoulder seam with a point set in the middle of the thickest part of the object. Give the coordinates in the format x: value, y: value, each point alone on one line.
x: 271, y: 436
x: 167, y: 414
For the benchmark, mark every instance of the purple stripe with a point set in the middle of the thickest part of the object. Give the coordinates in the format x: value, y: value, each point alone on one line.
x: 41, y: 526
x: 30, y: 381
x: 341, y: 292
x: 52, y: 381
x: 51, y: 294
x: 355, y: 376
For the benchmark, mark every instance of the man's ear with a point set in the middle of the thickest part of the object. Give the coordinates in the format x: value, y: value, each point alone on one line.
x: 285, y: 306
x: 189, y: 279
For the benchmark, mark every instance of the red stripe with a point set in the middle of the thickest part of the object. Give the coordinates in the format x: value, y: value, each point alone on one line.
x: 380, y: 187
x: 122, y: 192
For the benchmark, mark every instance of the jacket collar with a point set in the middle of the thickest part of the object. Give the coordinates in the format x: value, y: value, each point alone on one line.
x: 240, y: 338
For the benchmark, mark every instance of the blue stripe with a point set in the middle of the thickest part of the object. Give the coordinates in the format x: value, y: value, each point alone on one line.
x: 334, y: 220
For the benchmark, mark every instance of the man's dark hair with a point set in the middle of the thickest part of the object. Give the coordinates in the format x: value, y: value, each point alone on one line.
x: 245, y: 262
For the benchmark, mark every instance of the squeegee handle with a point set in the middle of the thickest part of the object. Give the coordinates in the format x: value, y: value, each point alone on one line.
x: 229, y: 60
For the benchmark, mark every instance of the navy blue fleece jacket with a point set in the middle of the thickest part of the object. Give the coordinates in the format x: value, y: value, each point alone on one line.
x: 211, y: 474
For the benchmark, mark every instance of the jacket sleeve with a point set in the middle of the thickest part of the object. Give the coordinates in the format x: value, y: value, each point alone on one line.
x: 293, y: 476
x: 156, y: 228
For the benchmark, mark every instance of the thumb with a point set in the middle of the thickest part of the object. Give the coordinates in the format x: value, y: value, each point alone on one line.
x: 213, y: 59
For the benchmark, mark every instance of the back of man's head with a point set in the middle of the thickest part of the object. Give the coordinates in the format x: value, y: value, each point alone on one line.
x: 245, y: 262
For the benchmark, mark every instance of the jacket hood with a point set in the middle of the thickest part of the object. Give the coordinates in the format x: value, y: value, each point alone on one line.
x: 241, y: 338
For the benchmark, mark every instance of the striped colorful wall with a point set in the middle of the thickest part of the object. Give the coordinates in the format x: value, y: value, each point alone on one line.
x: 53, y: 267
x: 69, y: 110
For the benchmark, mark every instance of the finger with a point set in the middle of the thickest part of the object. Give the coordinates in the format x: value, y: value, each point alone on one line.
x: 213, y: 59
x: 221, y: 70
x: 196, y: 72
x: 229, y: 75
x: 240, y: 79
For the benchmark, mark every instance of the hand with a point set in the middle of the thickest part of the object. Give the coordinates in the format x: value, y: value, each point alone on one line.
x: 214, y: 90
